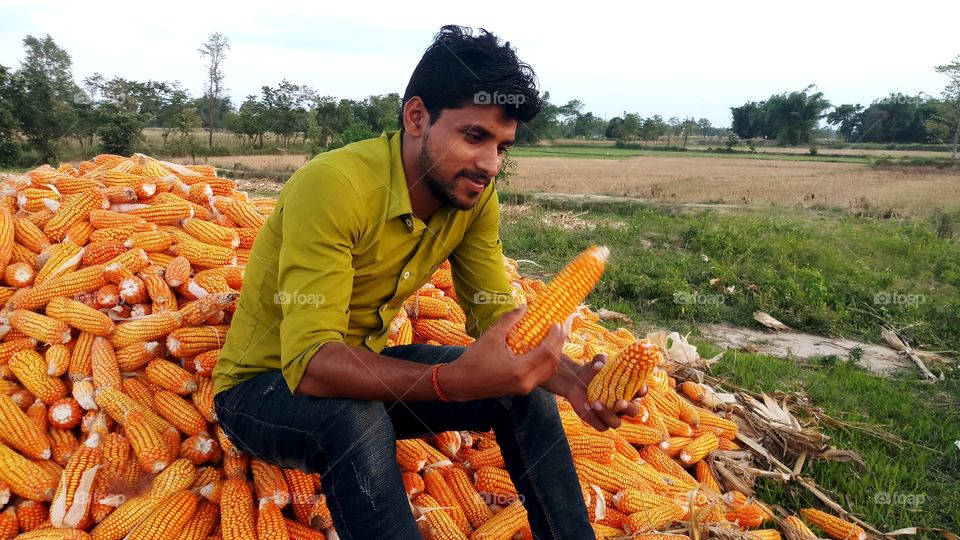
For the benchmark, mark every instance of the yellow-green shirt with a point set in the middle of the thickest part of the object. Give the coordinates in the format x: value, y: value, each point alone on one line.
x: 341, y: 252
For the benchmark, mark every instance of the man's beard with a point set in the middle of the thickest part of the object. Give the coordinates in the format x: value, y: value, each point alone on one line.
x: 442, y: 189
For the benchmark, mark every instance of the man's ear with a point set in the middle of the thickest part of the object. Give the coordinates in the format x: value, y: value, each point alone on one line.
x: 415, y: 116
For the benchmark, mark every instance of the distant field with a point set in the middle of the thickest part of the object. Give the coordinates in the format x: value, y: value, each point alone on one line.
x: 682, y: 179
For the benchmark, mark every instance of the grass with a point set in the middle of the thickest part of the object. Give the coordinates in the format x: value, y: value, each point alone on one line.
x: 817, y: 273
x: 820, y: 272
x: 909, y: 485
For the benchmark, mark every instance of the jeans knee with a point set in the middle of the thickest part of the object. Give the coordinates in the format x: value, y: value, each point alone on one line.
x: 360, y: 431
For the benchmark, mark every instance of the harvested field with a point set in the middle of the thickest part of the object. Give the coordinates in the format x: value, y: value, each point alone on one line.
x: 744, y: 181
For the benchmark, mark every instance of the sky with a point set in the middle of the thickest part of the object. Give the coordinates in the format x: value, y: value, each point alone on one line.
x: 683, y: 58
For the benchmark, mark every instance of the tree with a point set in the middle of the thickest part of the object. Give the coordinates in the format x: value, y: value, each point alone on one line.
x: 653, y: 128
x: 790, y: 118
x: 688, y: 126
x: 285, y: 110
x: 44, y: 96
x: 251, y: 121
x: 544, y: 126
x: 673, y: 129
x: 630, y: 127
x: 177, y: 114
x: 119, y: 131
x: 614, y: 128
x: 215, y: 50
x: 945, y: 119
x: 847, y: 118
x: 704, y: 125
x: 9, y: 145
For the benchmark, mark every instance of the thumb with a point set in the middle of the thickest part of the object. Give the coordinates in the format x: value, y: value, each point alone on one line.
x: 506, y: 322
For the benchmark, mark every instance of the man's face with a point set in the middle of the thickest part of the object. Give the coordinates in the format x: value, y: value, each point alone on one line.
x: 462, y: 152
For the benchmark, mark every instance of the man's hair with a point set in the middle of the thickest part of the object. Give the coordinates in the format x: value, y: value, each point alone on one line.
x: 460, y: 69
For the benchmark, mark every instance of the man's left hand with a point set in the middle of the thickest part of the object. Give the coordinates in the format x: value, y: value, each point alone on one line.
x: 595, y: 413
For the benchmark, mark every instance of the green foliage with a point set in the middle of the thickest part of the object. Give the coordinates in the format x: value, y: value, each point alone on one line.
x: 732, y: 140
x: 944, y: 122
x: 816, y: 274
x: 354, y: 132
x: 788, y: 118
x: 10, y: 152
x: 120, y: 132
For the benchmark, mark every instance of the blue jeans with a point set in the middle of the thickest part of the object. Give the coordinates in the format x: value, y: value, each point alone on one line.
x: 352, y: 444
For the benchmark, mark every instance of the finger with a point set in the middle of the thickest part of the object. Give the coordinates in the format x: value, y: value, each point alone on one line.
x: 601, y: 358
x: 597, y: 366
x: 555, y: 338
x: 605, y: 415
x: 591, y: 418
x: 643, y: 390
x: 627, y: 408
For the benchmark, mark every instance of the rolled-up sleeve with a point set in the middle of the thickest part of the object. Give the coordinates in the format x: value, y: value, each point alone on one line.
x: 483, y: 290
x: 321, y: 223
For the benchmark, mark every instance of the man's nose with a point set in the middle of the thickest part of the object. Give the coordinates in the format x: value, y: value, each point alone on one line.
x: 489, y: 162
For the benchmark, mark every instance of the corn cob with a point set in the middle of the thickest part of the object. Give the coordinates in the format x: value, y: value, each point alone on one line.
x: 19, y: 274
x: 749, y: 515
x: 302, y: 493
x: 191, y: 341
x: 32, y: 199
x: 439, y: 523
x: 699, y: 448
x: 179, y: 412
x: 495, y: 482
x: 202, y: 399
x: 243, y: 214
x: 653, y: 519
x: 297, y: 531
x: 148, y: 445
x: 470, y: 501
x: 31, y: 370
x: 599, y: 449
x: 79, y: 316
x: 84, y: 280
x: 24, y: 477
x: 796, y: 529
x: 101, y: 252
x: 568, y: 289
x: 79, y: 233
x: 411, y: 456
x: 121, y: 233
x: 27, y: 234
x: 835, y: 527
x: 200, y: 449
x: 40, y: 327
x: 179, y: 475
x: 164, y: 214
x: 202, y: 255
x: 236, y: 508
x: 107, y: 219
x: 269, y: 483
x: 635, y: 500
x: 488, y: 457
x: 31, y: 515
x: 442, y: 330
x: 72, y: 211
x: 55, y: 534
x: 149, y: 328
x: 64, y: 413
x: 170, y: 376
x: 72, y: 498
x: 125, y: 518
x: 503, y: 524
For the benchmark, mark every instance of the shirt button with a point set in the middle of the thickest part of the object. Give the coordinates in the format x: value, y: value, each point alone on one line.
x: 406, y: 275
x: 383, y: 307
x: 409, y: 222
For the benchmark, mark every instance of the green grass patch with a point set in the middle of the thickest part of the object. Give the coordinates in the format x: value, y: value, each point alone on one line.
x: 817, y: 272
x: 910, y: 484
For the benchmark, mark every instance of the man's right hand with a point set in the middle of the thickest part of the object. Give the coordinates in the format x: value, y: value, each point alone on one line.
x: 488, y: 368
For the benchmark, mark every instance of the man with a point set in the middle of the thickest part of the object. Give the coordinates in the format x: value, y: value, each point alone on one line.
x: 304, y: 380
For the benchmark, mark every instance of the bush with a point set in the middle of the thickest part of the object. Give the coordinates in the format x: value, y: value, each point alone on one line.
x: 10, y: 152
x: 120, y: 133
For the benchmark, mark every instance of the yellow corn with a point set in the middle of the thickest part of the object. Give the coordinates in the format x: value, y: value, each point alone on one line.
x: 269, y: 484
x: 211, y: 233
x: 653, y: 518
x: 243, y: 214
x: 73, y: 210
x: 179, y: 412
x: 107, y: 219
x: 40, y: 327
x: 559, y: 300
x: 441, y: 526
x: 699, y: 448
x: 31, y: 199
x: 199, y: 449
x: 444, y: 331
x: 31, y: 370
x: 191, y: 341
x: 84, y: 280
x: 24, y: 477
x: 121, y: 233
x: 835, y: 527
x: 180, y: 475
x: 599, y: 449
x: 150, y: 241
x: 202, y: 255
x: 127, y: 516
x: 624, y: 374
x: 503, y: 524
x: 470, y: 501
x: 149, y: 328
x: 72, y: 498
x: 80, y: 316
x: 30, y: 236
x: 706, y: 477
x: 168, y: 518
x: 164, y: 213
x: 435, y: 486
x: 236, y: 509
x: 150, y: 448
x: 170, y: 376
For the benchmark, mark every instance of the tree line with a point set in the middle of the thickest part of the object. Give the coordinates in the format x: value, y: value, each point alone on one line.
x: 41, y: 107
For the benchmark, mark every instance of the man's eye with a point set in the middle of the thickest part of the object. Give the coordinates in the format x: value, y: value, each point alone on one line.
x: 474, y: 137
x: 502, y: 149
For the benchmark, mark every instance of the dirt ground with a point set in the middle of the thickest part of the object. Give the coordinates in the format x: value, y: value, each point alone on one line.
x: 876, y: 358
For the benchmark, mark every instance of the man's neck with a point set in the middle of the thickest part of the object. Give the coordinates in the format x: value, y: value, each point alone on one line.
x: 422, y: 201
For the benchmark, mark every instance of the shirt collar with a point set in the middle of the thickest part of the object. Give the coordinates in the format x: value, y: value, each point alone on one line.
x: 399, y: 202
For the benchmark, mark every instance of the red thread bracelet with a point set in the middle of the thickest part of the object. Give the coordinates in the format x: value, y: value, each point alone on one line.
x: 436, y: 383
